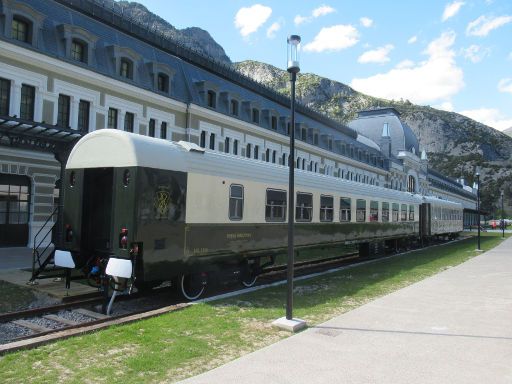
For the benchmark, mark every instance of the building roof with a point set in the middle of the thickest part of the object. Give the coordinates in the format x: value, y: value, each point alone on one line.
x: 370, y: 123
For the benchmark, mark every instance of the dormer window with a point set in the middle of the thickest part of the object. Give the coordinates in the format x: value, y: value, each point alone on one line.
x: 126, y: 69
x: 211, y: 99
x: 315, y: 139
x: 162, y: 75
x: 79, y: 51
x: 78, y: 43
x: 21, y: 30
x: 163, y: 82
x: 255, y: 116
x: 233, y: 107
x: 329, y: 144
x: 303, y: 134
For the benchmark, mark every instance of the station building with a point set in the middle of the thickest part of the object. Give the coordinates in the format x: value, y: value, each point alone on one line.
x: 68, y: 67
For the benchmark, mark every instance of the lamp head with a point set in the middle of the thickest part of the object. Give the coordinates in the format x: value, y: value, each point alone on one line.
x: 293, y: 53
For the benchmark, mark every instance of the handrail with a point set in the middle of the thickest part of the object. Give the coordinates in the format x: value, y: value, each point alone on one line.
x: 36, y: 255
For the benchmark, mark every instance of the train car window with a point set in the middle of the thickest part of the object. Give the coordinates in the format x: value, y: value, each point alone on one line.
x: 304, y: 207
x: 326, y: 208
x: 236, y: 202
x: 411, y: 212
x: 345, y: 212
x: 275, y: 206
x: 385, y: 212
x: 403, y: 216
x: 360, y: 210
x: 395, y: 207
x: 374, y: 211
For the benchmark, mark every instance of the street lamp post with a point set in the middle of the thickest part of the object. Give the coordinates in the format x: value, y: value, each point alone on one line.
x: 478, y: 206
x: 293, y: 67
x: 502, y: 217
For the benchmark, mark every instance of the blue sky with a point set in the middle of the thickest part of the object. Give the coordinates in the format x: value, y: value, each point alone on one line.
x: 453, y: 55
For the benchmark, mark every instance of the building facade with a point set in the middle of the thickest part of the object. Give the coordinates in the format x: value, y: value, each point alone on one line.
x: 70, y: 67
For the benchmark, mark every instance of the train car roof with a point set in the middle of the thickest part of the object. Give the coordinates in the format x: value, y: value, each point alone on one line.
x: 113, y: 148
x: 442, y: 202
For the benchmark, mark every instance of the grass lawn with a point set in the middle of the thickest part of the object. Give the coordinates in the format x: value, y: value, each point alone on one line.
x: 201, y: 337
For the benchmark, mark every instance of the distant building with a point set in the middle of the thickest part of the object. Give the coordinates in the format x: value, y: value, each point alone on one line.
x: 69, y: 67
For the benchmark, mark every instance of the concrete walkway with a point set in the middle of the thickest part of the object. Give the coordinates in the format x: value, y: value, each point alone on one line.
x: 15, y: 258
x: 455, y: 327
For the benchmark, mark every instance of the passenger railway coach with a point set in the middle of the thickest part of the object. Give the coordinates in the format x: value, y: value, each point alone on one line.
x: 176, y: 211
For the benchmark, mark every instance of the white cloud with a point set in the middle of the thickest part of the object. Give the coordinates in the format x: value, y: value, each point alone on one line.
x: 322, y: 11
x: 475, y: 53
x: 436, y: 78
x: 445, y: 106
x: 484, y: 25
x: 451, y: 9
x: 317, y: 12
x: 366, y: 22
x: 489, y: 116
x: 298, y: 20
x: 378, y: 55
x: 405, y: 64
x: 333, y: 38
x: 412, y: 39
x: 505, y: 85
x: 271, y: 31
x: 249, y: 20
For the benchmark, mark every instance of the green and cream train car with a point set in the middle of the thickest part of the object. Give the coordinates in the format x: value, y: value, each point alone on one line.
x: 168, y: 210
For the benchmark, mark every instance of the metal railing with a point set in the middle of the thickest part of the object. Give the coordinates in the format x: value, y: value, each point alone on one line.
x: 43, y: 255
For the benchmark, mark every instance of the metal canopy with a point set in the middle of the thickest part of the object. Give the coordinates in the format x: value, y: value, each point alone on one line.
x: 27, y: 134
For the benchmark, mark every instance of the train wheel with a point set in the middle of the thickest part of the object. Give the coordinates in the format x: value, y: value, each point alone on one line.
x: 192, y: 286
x: 250, y: 280
x: 250, y: 274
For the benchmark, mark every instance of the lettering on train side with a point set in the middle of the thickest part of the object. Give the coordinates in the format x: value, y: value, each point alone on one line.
x: 236, y: 236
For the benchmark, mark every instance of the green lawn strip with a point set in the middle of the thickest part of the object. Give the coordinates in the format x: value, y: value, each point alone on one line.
x: 201, y: 337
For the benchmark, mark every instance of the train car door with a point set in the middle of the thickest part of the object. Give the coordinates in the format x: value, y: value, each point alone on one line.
x: 97, y: 210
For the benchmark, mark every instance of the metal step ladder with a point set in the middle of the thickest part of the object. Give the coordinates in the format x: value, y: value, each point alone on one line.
x: 43, y: 255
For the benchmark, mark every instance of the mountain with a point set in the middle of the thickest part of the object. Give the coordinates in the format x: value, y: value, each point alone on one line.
x: 457, y: 145
x: 195, y: 38
x: 508, y: 131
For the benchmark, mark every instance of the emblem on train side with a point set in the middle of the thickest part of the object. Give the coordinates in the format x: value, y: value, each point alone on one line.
x: 162, y: 202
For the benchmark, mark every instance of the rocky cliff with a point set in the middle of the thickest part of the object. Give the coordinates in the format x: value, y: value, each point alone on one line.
x: 195, y: 38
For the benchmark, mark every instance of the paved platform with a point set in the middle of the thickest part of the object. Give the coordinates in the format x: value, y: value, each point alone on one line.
x: 454, y: 327
x: 15, y: 258
x: 15, y: 266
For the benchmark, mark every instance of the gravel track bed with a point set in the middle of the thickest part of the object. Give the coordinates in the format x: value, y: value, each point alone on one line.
x: 72, y: 315
x: 9, y: 331
x: 45, y: 322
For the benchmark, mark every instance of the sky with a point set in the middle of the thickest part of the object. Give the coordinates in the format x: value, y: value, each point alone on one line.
x: 452, y: 55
